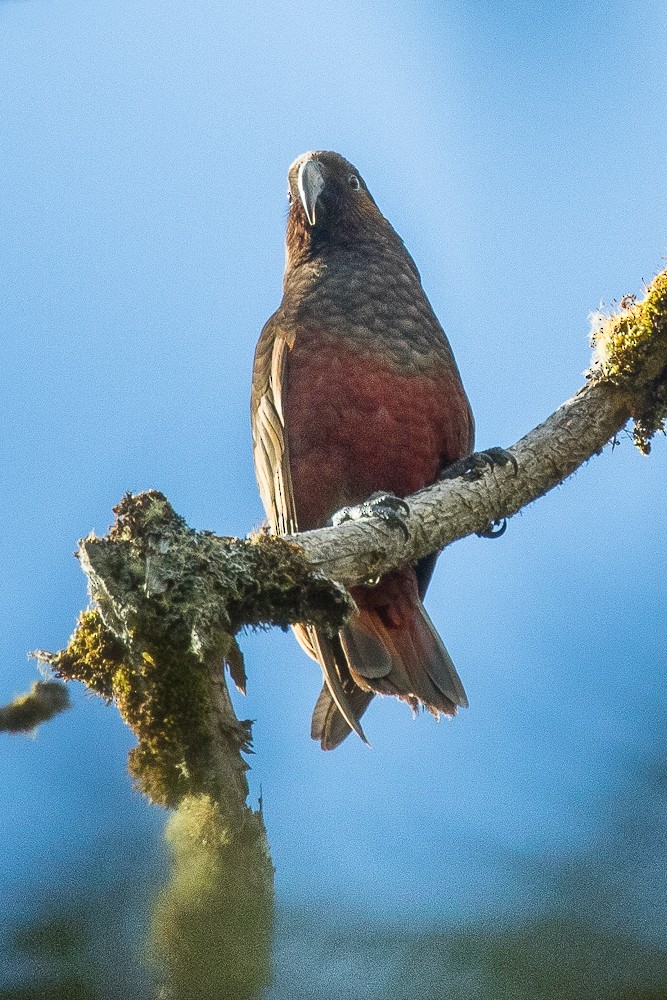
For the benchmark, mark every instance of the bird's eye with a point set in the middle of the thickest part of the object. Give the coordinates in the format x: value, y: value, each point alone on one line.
x: 353, y: 181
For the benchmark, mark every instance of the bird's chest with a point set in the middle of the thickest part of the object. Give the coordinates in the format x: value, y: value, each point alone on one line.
x: 358, y: 420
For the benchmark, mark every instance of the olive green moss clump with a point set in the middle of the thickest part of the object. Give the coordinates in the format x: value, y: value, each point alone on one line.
x: 631, y: 353
x: 44, y: 700
x: 281, y: 587
x: 93, y: 656
x: 161, y: 693
x: 212, y: 923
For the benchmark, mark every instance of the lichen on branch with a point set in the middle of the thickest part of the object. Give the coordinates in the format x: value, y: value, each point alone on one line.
x: 168, y: 602
x: 630, y: 353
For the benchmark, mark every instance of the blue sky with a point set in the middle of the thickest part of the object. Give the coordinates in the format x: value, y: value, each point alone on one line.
x: 520, y: 152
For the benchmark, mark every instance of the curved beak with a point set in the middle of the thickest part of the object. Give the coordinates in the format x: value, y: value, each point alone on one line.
x: 310, y: 182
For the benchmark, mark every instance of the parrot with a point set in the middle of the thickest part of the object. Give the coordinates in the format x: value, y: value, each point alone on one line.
x: 356, y: 395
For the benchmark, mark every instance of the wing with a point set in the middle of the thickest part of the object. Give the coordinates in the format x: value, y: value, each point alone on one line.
x: 268, y: 427
x: 329, y: 726
x: 271, y: 454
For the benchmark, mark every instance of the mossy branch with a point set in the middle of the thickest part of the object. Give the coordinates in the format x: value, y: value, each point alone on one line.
x: 44, y: 700
x: 167, y: 606
x: 168, y: 602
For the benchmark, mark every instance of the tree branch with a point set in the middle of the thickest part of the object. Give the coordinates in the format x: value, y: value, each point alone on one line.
x: 168, y: 602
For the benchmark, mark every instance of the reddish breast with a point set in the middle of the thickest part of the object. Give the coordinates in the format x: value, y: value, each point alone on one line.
x: 356, y: 423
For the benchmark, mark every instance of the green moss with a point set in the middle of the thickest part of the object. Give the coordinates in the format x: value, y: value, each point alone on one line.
x: 166, y: 699
x: 163, y: 694
x: 274, y: 575
x: 631, y: 353
x: 139, y: 514
x: 93, y: 656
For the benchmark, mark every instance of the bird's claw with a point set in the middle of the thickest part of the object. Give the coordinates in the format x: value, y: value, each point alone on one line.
x: 494, y: 529
x: 474, y: 466
x: 386, y: 506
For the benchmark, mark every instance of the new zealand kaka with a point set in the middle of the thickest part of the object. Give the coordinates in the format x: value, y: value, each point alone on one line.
x: 355, y: 389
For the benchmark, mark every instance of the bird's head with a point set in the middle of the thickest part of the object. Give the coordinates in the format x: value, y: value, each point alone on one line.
x: 329, y: 203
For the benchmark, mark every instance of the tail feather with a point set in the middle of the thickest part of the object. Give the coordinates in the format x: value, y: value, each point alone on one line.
x: 421, y: 669
x: 341, y: 703
x: 363, y: 644
x: 328, y: 725
x: 390, y: 647
x: 334, y: 679
x: 441, y: 669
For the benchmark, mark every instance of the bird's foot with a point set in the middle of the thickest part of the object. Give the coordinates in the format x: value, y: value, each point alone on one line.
x: 474, y: 466
x: 386, y: 506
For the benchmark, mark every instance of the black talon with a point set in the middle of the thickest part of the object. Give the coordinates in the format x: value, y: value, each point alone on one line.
x: 501, y: 457
x: 386, y: 506
x: 474, y: 466
x: 389, y: 516
x: 495, y: 529
x: 387, y: 500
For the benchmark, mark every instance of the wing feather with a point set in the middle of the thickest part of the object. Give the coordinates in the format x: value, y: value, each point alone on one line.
x: 272, y: 468
x: 329, y: 725
x: 268, y: 428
